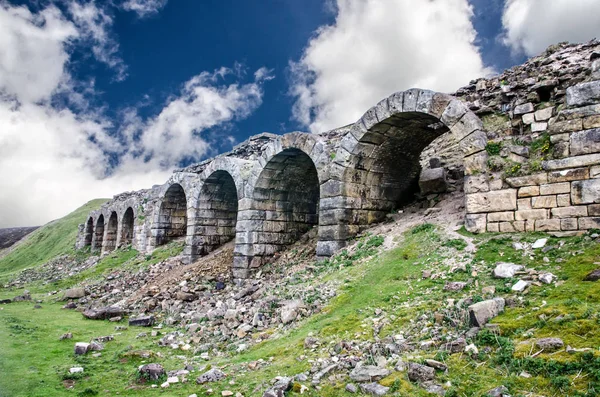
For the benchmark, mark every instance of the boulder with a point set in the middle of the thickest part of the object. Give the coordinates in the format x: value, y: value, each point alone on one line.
x: 433, y: 181
x: 454, y: 285
x: 185, y: 296
x: 420, y: 373
x: 583, y: 94
x: 507, y: 270
x: 282, y: 385
x: 81, y: 348
x: 103, y: 313
x: 594, y: 275
x: 549, y: 344
x: 143, y: 321
x: 481, y: 312
x: 520, y: 286
x: 213, y: 375
x: 74, y: 293
x: 456, y: 346
x: 374, y: 389
x: 500, y: 391
x: 152, y: 371
x: 368, y: 373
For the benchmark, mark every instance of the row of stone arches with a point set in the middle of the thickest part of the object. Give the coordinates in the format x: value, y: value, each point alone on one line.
x: 106, y: 235
x: 300, y: 181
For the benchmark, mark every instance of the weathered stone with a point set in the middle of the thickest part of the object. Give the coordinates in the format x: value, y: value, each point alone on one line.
x: 81, y: 348
x: 528, y: 191
x: 433, y: 181
x: 507, y: 270
x: 212, y: 375
x: 500, y: 391
x: 543, y: 202
x: 475, y: 223
x: 544, y: 114
x: 455, y: 286
x: 185, y: 296
x: 374, y: 389
x: 583, y: 94
x: 456, y: 346
x: 520, y: 286
x: 547, y: 225
x: 104, y: 313
x: 524, y: 108
x: 555, y: 188
x: 476, y: 183
x: 569, y: 212
x: 506, y: 216
x: 282, y: 385
x: 494, y: 201
x: 589, y: 223
x: 529, y: 215
x: 481, y: 312
x: 585, y: 142
x: 568, y: 175
x: 594, y: 275
x: 529, y: 180
x: 74, y: 293
x: 368, y: 373
x: 152, y: 371
x: 143, y: 321
x: 549, y: 344
x: 420, y: 373
x: 585, y: 192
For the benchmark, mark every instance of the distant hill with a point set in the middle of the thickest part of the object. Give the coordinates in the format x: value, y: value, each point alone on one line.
x: 11, y: 235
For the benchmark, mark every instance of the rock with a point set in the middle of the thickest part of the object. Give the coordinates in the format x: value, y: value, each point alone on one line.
x: 5, y: 301
x: 436, y: 364
x: 420, y: 373
x: 540, y: 243
x: 96, y: 346
x: 213, y: 375
x: 152, y: 371
x: 23, y: 297
x: 374, y: 389
x: 594, y: 275
x: 351, y: 388
x: 143, y: 321
x: 546, y: 278
x: 481, y: 312
x: 506, y: 270
x: 74, y: 293
x: 500, y: 391
x: 67, y: 335
x: 76, y: 370
x: 226, y: 393
x: 433, y: 181
x: 310, y: 342
x: 401, y: 366
x: 290, y: 311
x: 583, y: 94
x: 454, y: 286
x: 70, y: 305
x: 282, y: 385
x: 104, y: 313
x: 549, y: 344
x: 81, y: 348
x: 165, y: 385
x: 185, y: 296
x: 368, y: 373
x: 471, y: 349
x: 524, y: 108
x: 434, y: 388
x: 520, y: 286
x: 456, y: 346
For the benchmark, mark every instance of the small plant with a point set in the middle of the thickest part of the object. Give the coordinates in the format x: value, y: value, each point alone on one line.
x: 457, y: 243
x: 424, y: 227
x: 493, y: 148
x: 513, y: 169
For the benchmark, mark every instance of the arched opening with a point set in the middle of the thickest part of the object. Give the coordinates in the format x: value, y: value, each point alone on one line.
x: 172, y: 219
x: 127, y: 228
x: 216, y: 214
x: 111, y: 232
x: 385, y: 163
x: 98, y: 234
x: 89, y: 232
x: 285, y: 205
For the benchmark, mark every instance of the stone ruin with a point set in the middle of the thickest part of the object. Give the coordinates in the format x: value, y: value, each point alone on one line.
x: 527, y: 143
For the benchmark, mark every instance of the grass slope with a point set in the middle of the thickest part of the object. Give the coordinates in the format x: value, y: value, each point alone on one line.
x: 55, y: 238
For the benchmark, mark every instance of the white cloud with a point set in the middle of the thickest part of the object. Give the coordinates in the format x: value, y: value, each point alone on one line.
x: 377, y: 47
x: 53, y: 159
x: 144, y: 8
x: 532, y: 25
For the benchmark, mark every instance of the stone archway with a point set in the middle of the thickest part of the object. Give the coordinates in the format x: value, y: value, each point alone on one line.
x: 98, y: 234
x: 110, y: 239
x: 127, y: 227
x: 284, y: 204
x: 89, y: 232
x: 216, y: 213
x: 379, y: 158
x: 172, y: 216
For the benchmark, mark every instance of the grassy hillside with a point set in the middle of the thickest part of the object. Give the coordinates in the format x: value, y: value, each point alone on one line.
x: 55, y: 238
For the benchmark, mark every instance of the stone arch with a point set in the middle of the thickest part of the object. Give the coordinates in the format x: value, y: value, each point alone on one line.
x: 127, y: 227
x: 377, y: 161
x: 172, y: 215
x: 89, y: 232
x: 282, y: 202
x: 110, y: 237
x: 98, y: 234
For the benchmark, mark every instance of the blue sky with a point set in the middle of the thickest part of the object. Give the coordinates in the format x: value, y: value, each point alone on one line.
x: 101, y: 97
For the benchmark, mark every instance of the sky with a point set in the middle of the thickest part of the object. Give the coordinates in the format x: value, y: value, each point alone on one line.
x: 101, y: 97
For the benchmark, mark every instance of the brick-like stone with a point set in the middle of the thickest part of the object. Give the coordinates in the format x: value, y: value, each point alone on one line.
x: 476, y: 163
x: 585, y: 142
x: 524, y: 204
x: 494, y: 201
x: 594, y: 210
x: 585, y: 192
x: 529, y: 191
x: 583, y: 94
x: 507, y: 227
x: 595, y: 171
x: 529, y: 180
x: 528, y: 118
x: 476, y: 223
x: 591, y: 122
x: 564, y: 137
x: 555, y: 188
x: 547, y: 225
x: 433, y: 181
x: 563, y: 200
x: 519, y: 226
x: 531, y: 215
x: 544, y: 114
x: 476, y: 183
x: 572, y: 162
x: 558, y: 127
x: 589, y: 223
x: 543, y: 202
x: 524, y: 108
x: 501, y: 216
x: 569, y: 224
x: 568, y: 175
x: 569, y: 212
x: 539, y: 126
x: 493, y: 227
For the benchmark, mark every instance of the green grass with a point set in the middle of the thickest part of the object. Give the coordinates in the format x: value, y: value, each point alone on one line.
x: 53, y: 239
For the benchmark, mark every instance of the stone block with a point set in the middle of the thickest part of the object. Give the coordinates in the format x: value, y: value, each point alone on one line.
x: 594, y: 210
x: 568, y: 224
x: 578, y: 113
x: 559, y: 127
x: 572, y: 162
x: 524, y: 204
x: 585, y: 142
x: 569, y: 212
x: 482, y: 312
x: 473, y: 143
x: 475, y: 223
x: 583, y: 94
x: 596, y: 69
x: 476, y: 183
x: 493, y: 201
x: 591, y: 122
x: 555, y: 188
x: 433, y: 181
x: 493, y: 227
x: 476, y: 163
x: 568, y: 175
x: 547, y: 225
x: 528, y: 118
x: 529, y: 191
x: 539, y: 126
x: 530, y: 215
x: 595, y: 171
x: 564, y: 137
x: 544, y: 114
x: 543, y: 202
x: 529, y: 180
x: 589, y: 223
x: 524, y: 108
x: 507, y: 227
x: 519, y: 226
x: 501, y: 216
x: 585, y: 192
x: 563, y: 200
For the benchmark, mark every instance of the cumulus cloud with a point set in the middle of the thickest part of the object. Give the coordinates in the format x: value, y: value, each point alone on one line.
x: 53, y: 159
x: 377, y: 47
x: 144, y: 8
x: 532, y: 25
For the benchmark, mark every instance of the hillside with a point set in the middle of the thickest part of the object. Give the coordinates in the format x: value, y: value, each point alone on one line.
x: 11, y: 235
x: 391, y: 315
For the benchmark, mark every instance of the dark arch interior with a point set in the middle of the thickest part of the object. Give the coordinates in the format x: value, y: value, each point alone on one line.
x: 89, y: 232
x: 111, y: 232
x: 386, y: 162
x: 127, y: 227
x: 217, y: 213
x: 287, y: 196
x: 99, y: 233
x: 172, y: 222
